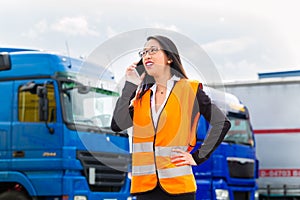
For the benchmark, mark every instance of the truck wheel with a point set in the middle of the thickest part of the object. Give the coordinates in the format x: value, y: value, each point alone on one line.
x: 13, y: 195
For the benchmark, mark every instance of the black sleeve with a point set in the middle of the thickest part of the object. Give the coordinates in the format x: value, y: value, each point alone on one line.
x: 219, y: 126
x: 123, y: 112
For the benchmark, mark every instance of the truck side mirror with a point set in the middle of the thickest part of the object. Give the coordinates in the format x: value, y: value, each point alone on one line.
x: 43, y: 103
x: 5, y: 62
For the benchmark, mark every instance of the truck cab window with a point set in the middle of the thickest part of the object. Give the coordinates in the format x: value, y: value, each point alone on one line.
x: 87, y: 106
x: 240, y: 132
x: 28, y: 105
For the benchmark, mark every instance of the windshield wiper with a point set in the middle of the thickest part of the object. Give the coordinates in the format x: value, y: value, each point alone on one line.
x: 245, y: 143
x: 84, y: 127
x: 230, y: 141
x: 237, y: 142
x: 109, y: 130
x: 95, y: 129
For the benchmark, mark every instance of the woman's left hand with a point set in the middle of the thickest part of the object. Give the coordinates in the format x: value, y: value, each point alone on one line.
x: 180, y: 158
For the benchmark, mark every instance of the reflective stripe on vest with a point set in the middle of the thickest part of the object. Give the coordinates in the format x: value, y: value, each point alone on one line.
x: 142, y: 147
x: 152, y: 148
x: 143, y: 170
x: 176, y: 171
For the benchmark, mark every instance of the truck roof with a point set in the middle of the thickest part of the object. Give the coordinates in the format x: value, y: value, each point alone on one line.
x: 264, y: 81
x: 225, y: 101
x: 287, y: 73
x: 266, y: 78
x: 15, y: 49
x: 35, y: 63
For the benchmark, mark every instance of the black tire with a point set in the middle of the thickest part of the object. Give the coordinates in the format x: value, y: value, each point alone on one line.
x: 13, y: 195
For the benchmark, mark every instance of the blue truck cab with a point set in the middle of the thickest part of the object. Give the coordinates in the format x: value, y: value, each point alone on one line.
x: 55, y: 140
x: 231, y: 171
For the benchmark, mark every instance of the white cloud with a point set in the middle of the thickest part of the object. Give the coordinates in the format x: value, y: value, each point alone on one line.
x: 242, y: 69
x: 38, y: 28
x: 229, y: 46
x: 110, y: 32
x: 166, y: 27
x: 74, y: 26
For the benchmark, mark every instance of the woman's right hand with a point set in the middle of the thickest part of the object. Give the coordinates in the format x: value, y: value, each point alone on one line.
x: 132, y: 75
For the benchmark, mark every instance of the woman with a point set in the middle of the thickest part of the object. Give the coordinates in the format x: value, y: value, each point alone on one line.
x: 164, y: 106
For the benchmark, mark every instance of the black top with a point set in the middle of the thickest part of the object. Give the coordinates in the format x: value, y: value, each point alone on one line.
x: 123, y: 115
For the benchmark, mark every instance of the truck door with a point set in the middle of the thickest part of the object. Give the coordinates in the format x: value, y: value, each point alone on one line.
x: 5, y: 123
x: 34, y: 146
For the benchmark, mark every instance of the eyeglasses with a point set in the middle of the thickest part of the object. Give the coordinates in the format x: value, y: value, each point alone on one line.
x: 151, y: 51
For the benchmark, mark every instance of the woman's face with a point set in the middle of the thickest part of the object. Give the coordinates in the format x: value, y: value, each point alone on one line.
x: 155, y: 59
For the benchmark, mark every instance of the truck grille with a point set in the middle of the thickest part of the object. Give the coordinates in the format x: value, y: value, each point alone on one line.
x: 241, y: 167
x: 241, y: 195
x: 105, y: 172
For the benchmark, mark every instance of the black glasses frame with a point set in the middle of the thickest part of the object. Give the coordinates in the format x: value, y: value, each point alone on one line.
x: 151, y: 51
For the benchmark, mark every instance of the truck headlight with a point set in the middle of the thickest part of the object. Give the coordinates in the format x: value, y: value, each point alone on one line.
x: 222, y: 194
x: 129, y: 175
x: 256, y: 195
x: 80, y: 198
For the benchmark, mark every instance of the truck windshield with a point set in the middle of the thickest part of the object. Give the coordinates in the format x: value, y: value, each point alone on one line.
x: 240, y: 132
x: 87, y: 106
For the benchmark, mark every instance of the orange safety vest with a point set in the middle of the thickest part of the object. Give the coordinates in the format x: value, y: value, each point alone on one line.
x: 152, y: 147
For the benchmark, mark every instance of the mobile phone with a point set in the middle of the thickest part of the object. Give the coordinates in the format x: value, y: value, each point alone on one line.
x: 140, y: 67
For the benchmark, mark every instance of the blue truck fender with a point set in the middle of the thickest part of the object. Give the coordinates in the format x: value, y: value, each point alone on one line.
x: 20, y: 178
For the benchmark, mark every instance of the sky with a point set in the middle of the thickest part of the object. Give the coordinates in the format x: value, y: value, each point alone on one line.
x: 242, y: 38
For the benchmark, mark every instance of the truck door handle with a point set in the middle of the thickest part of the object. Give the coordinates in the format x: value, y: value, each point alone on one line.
x: 18, y: 154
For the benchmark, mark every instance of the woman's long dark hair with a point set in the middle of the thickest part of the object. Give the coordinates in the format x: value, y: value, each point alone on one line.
x: 172, y: 54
